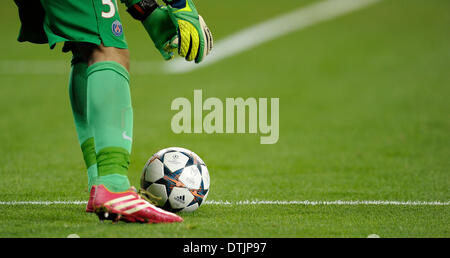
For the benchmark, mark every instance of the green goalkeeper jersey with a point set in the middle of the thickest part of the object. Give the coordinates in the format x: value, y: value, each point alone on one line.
x: 52, y: 21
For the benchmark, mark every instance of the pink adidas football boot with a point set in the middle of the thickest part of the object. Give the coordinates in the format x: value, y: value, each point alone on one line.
x: 126, y: 206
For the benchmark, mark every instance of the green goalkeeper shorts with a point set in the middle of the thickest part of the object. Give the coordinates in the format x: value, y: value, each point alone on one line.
x: 91, y: 21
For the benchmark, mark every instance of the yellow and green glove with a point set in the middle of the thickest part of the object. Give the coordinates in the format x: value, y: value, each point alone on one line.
x: 195, y: 40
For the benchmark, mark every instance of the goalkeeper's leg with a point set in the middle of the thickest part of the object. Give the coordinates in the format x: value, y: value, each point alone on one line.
x: 78, y: 101
x: 109, y: 117
x: 101, y: 104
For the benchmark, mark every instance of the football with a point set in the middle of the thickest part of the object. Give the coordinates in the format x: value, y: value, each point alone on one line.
x: 175, y: 179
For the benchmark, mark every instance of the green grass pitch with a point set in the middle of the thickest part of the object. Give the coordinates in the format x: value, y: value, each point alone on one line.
x: 364, y: 115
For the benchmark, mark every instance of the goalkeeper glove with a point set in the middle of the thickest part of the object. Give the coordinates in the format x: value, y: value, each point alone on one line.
x: 195, y: 38
x: 158, y: 24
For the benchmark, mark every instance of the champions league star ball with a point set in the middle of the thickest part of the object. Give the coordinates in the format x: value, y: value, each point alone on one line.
x: 175, y: 179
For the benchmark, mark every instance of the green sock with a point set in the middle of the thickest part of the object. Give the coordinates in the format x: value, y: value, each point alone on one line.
x: 110, y: 115
x: 90, y: 159
x: 78, y: 101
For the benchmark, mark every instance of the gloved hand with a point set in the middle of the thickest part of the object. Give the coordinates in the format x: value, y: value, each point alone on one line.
x: 157, y: 23
x: 195, y: 38
x: 162, y: 31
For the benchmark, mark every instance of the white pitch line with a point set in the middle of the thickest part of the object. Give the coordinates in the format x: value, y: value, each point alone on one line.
x: 12, y: 203
x: 338, y: 202
x: 263, y: 202
x: 251, y: 37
